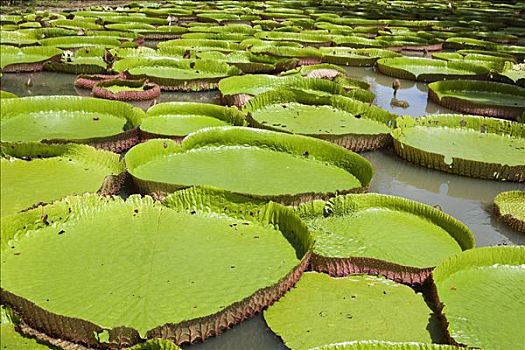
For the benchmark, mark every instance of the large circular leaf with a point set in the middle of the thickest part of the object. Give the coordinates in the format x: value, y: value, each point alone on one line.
x: 177, y: 74
x: 466, y: 145
x: 428, y: 70
x: 178, y: 119
x: 14, y: 59
x: 260, y: 163
x: 482, y: 295
x: 378, y: 234
x: 325, y: 310
x: 352, y: 124
x: 36, y: 173
x: 183, y: 270
x: 107, y: 124
x: 479, y: 97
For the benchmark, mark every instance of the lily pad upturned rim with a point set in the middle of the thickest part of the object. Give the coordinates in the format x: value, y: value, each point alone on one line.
x: 465, y: 167
x: 356, y: 57
x: 483, y: 256
x: 101, y: 158
x: 234, y: 135
x: 437, y: 92
x: 343, y: 266
x: 230, y: 115
x: 384, y: 66
x: 505, y: 215
x: 175, y: 84
x: 116, y: 143
x: 88, y: 81
x: 10, y: 324
x: 355, y: 142
x: 35, y: 64
x: 150, y: 90
x: 381, y: 345
x: 7, y: 94
x: 191, y: 200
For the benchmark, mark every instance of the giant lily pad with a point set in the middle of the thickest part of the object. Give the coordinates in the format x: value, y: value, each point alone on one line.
x: 238, y: 90
x: 482, y: 295
x: 352, y: 124
x: 199, y: 45
x: 428, y: 70
x: 324, y: 310
x: 479, y: 97
x: 252, y: 252
x: 249, y: 63
x: 34, y: 173
x: 177, y: 74
x: 71, y: 42
x: 378, y: 234
x: 106, y: 124
x: 86, y: 60
x: 510, y: 207
x: 466, y: 145
x: 355, y: 57
x: 27, y: 59
x: 263, y: 164
x: 177, y: 119
x: 384, y: 345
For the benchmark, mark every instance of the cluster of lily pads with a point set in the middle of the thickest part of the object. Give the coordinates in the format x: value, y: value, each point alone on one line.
x: 259, y: 204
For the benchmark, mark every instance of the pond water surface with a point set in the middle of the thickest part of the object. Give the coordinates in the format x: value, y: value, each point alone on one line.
x: 467, y: 199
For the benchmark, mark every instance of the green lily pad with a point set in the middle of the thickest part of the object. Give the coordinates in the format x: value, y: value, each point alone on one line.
x: 479, y: 97
x: 380, y: 345
x: 18, y: 37
x: 380, y: 234
x: 321, y: 70
x: 70, y: 42
x: 85, y: 60
x: 12, y: 56
x: 466, y: 145
x: 428, y: 70
x: 196, y: 45
x: 353, y: 124
x: 239, y: 89
x: 11, y: 339
x: 225, y: 242
x: 307, y: 39
x: 263, y: 164
x: 66, y: 118
x: 249, y: 63
x: 177, y: 74
x: 510, y: 206
x: 482, y: 294
x: 33, y: 173
x: 324, y: 310
x: 178, y: 119
x: 355, y: 57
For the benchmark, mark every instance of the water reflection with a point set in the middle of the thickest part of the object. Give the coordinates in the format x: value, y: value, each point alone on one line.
x: 415, y: 93
x: 253, y: 334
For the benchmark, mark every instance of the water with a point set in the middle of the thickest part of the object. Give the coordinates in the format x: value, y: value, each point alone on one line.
x: 467, y: 199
